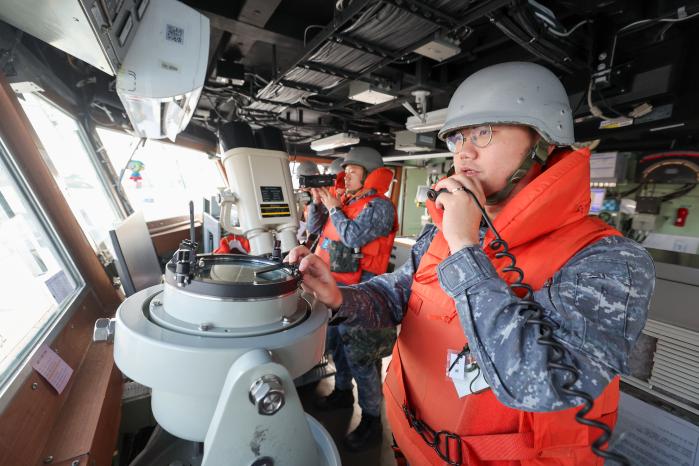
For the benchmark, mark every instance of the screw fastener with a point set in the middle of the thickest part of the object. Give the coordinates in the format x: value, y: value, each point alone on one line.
x: 267, y: 394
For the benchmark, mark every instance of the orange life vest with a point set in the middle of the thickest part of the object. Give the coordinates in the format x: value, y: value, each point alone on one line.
x: 545, y: 225
x: 230, y: 242
x: 376, y: 253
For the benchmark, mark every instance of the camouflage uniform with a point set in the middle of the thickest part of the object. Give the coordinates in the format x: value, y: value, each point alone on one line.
x: 376, y: 219
x: 598, y: 302
x: 355, y: 350
x: 316, y: 217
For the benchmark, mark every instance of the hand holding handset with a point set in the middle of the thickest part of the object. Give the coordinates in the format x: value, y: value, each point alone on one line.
x: 432, y: 195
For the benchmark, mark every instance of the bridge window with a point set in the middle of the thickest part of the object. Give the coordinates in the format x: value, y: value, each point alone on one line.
x: 161, y: 178
x: 38, y: 281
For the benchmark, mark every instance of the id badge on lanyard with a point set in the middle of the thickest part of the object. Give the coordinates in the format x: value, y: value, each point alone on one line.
x: 464, y: 372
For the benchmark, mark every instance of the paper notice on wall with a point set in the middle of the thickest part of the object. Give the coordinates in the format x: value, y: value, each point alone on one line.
x: 52, y: 368
x: 60, y: 286
x: 649, y: 436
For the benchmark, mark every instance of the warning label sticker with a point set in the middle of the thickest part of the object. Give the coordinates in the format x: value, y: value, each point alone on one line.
x: 274, y: 210
x: 615, y: 123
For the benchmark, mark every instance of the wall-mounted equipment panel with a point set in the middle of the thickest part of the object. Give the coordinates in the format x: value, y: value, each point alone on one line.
x: 97, y: 32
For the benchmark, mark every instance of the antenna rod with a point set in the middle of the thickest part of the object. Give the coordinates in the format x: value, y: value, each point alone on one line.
x: 191, y: 221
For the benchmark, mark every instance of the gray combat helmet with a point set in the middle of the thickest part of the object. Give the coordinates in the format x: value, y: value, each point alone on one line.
x: 514, y: 93
x: 518, y: 93
x: 306, y: 168
x: 365, y: 157
x: 336, y: 166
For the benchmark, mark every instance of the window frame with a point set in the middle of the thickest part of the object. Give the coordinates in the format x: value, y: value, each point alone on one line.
x: 99, y: 162
x: 20, y: 371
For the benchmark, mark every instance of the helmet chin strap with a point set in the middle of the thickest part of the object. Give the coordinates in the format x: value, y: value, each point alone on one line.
x: 539, y: 154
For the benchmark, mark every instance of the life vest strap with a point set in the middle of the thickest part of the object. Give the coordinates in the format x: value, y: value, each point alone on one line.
x: 450, y: 446
x: 514, y: 446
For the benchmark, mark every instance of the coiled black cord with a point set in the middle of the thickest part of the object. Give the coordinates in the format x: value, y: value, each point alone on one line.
x: 535, y: 316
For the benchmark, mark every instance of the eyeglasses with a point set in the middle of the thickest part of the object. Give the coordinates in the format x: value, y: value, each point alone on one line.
x: 480, y: 136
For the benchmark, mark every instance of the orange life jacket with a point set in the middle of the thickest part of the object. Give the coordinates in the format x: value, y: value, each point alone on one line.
x: 376, y: 253
x: 230, y: 242
x: 545, y: 225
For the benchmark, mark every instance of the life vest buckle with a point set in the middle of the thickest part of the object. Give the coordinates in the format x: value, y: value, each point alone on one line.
x: 450, y: 438
x: 441, y: 442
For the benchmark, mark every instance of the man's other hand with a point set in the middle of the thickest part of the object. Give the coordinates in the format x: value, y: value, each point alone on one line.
x: 315, y: 195
x: 328, y: 199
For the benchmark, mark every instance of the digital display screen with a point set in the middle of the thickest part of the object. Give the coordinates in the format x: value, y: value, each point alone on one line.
x: 597, y: 198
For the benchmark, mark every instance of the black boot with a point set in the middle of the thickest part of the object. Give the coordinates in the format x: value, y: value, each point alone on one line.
x: 338, y: 399
x: 367, y: 434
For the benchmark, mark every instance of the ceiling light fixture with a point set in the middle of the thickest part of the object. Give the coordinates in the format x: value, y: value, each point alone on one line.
x: 432, y: 121
x: 365, y: 92
x: 334, y: 141
x: 403, y: 158
x: 439, y: 49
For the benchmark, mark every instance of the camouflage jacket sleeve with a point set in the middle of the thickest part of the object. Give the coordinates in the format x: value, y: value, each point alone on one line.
x: 597, y: 303
x: 317, y: 216
x: 375, y: 220
x: 380, y: 302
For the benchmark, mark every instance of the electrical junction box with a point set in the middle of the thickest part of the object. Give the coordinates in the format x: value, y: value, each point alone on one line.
x: 648, y: 205
x: 646, y: 222
x: 407, y: 141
